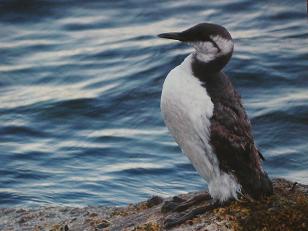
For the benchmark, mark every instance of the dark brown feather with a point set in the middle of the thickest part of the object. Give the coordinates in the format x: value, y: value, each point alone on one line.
x: 231, y: 136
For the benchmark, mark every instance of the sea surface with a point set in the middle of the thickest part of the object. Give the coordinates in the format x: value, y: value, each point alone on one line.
x: 80, y: 86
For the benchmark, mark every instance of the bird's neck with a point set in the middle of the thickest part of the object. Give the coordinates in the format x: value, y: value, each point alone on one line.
x: 203, y: 69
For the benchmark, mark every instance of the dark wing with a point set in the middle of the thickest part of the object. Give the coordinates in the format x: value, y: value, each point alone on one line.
x: 231, y: 136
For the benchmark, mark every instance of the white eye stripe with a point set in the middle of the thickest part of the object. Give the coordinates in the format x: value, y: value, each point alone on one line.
x: 206, y: 46
x: 225, y: 45
x: 207, y: 51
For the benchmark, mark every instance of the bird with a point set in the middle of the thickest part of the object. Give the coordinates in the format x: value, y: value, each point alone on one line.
x: 205, y: 115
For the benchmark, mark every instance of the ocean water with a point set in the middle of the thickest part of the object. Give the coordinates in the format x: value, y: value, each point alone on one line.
x: 80, y: 85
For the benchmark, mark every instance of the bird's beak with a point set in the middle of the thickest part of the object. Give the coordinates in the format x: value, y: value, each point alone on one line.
x: 173, y: 35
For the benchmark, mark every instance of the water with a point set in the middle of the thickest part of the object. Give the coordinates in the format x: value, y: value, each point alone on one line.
x: 80, y: 88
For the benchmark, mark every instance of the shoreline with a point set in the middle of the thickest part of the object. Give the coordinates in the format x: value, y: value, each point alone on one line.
x: 287, y: 209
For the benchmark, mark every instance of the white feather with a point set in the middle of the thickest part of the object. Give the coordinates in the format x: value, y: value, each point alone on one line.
x: 207, y: 52
x: 187, y: 109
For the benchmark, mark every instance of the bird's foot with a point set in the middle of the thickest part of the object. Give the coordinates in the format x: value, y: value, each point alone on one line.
x: 178, y: 204
x: 173, y: 220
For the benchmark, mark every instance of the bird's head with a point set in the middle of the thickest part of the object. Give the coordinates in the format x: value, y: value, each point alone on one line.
x: 211, y: 41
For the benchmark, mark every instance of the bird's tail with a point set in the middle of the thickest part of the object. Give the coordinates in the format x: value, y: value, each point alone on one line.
x: 259, y: 187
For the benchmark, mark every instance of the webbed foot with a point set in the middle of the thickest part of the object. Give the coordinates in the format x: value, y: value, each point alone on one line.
x: 178, y: 219
x: 172, y: 220
x: 178, y: 204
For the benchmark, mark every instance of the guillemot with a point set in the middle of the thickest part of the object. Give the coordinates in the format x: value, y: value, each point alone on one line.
x: 204, y: 113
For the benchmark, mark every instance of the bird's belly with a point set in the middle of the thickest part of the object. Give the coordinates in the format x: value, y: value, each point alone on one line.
x: 187, y: 110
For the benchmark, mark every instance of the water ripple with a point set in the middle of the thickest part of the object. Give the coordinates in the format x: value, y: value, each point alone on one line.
x: 80, y: 88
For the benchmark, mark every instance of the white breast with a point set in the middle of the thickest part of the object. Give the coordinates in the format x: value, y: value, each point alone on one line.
x: 187, y: 109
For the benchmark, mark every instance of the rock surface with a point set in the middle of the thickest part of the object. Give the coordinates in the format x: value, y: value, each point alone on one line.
x: 287, y: 209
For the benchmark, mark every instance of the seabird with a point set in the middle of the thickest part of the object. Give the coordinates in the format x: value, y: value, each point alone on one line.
x: 204, y: 113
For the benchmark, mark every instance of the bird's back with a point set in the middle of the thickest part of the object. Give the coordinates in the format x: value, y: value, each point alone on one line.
x: 232, y: 139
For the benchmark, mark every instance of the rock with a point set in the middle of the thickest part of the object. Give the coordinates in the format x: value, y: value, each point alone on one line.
x: 287, y: 209
x: 155, y: 200
x: 104, y: 224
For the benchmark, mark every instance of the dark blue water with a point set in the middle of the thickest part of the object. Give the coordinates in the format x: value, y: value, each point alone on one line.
x: 80, y: 85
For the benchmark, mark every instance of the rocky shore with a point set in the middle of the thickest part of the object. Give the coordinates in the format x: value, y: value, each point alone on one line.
x: 287, y: 209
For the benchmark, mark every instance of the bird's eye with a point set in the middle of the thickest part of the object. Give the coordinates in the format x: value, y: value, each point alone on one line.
x: 214, y: 44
